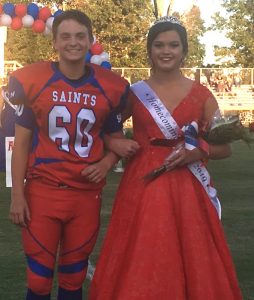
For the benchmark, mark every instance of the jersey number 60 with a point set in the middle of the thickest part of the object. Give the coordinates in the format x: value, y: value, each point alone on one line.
x: 85, y: 120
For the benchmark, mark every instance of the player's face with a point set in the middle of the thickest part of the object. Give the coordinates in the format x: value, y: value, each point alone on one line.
x: 72, y: 41
x: 167, y: 51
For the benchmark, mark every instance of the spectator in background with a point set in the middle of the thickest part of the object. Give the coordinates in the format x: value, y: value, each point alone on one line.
x: 7, y: 121
x: 237, y: 80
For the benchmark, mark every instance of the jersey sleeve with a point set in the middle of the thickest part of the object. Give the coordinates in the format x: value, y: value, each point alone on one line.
x: 16, y: 91
x: 113, y: 123
x: 24, y: 114
x: 25, y: 117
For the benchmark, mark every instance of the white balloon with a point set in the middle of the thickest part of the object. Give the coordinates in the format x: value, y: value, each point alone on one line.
x: 27, y: 21
x: 46, y: 31
x: 5, y: 20
x: 94, y: 39
x: 104, y: 56
x: 49, y: 22
x: 96, y: 59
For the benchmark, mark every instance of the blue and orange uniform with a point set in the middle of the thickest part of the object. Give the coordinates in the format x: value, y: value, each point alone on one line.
x: 68, y: 119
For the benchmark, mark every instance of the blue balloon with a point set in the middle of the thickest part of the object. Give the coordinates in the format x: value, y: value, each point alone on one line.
x: 33, y: 10
x: 58, y: 12
x: 88, y: 56
x: 106, y: 65
x: 9, y: 9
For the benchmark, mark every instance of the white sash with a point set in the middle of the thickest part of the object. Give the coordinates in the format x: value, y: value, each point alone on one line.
x: 170, y: 130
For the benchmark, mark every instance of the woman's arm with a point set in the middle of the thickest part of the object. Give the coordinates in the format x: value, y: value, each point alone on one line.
x: 19, y: 210
x: 215, y: 151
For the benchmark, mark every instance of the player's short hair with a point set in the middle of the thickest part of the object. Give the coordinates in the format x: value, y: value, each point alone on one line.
x: 73, y: 14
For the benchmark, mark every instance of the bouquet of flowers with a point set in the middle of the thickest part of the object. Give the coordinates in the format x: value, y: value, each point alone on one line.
x: 223, y: 130
x: 227, y: 130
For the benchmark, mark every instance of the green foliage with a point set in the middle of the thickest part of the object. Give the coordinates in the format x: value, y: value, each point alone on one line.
x: 239, y: 25
x: 121, y: 26
x: 25, y: 46
x: 195, y: 28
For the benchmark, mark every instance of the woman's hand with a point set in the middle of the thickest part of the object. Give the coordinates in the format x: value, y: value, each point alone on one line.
x: 181, y: 156
x: 125, y: 148
x: 19, y: 211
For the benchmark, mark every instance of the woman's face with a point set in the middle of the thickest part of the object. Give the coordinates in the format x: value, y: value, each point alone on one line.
x: 167, y: 51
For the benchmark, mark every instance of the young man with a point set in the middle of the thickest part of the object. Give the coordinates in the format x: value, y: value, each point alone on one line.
x: 65, y: 107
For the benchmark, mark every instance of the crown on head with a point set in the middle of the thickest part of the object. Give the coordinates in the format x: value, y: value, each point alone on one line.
x: 169, y: 19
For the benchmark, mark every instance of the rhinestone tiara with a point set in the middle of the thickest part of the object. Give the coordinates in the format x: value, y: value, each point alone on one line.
x: 169, y: 19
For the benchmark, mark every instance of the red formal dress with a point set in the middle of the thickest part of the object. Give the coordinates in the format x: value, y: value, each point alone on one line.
x: 165, y: 240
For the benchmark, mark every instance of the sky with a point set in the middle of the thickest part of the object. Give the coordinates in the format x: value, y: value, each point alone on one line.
x: 207, y: 9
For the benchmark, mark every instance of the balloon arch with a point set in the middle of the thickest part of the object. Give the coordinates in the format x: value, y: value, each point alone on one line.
x: 40, y: 20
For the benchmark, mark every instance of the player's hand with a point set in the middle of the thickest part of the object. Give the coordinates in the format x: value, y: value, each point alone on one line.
x: 97, y: 171
x: 125, y: 148
x: 19, y: 211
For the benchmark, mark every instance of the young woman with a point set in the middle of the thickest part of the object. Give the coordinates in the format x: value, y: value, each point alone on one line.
x: 165, y: 239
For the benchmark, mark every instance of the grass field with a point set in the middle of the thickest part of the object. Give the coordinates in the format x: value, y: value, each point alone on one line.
x: 234, y: 179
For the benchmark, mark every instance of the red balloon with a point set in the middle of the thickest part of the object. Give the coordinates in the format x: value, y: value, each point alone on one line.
x: 20, y: 10
x: 96, y: 49
x: 38, y: 26
x: 16, y: 23
x: 44, y: 13
x: 1, y: 8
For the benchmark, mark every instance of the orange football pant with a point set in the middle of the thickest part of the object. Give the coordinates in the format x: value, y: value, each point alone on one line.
x: 63, y: 228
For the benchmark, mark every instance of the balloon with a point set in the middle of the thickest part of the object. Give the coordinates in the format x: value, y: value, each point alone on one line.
x: 88, y: 56
x: 104, y: 56
x: 16, y: 23
x: 38, y: 26
x: 49, y: 22
x: 27, y: 21
x: 46, y: 31
x: 33, y: 10
x: 58, y: 12
x: 9, y: 9
x: 20, y: 10
x: 96, y: 59
x: 94, y: 39
x: 106, y: 65
x: 96, y: 49
x: 44, y: 13
x: 5, y: 20
x: 1, y: 8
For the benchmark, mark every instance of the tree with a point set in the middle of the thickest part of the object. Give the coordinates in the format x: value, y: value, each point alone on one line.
x: 121, y: 26
x: 25, y: 46
x: 195, y: 29
x: 239, y: 27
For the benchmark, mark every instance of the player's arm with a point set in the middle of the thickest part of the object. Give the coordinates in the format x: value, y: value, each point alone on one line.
x: 19, y: 210
x: 121, y: 146
x: 98, y: 171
